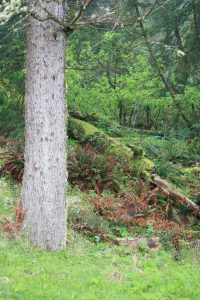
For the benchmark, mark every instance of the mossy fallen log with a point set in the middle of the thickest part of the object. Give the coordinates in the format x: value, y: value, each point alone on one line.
x: 131, y: 155
x: 94, y: 117
x: 176, y: 195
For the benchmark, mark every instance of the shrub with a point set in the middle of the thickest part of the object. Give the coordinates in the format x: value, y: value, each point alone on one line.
x: 92, y: 171
x: 14, y: 161
x: 139, y: 206
x: 86, y: 168
x: 11, y: 121
x: 126, y: 207
x: 3, y: 141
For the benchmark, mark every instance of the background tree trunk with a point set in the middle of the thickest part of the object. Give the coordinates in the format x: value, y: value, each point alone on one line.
x: 43, y: 191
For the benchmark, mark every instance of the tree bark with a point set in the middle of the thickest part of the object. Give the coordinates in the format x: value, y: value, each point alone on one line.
x: 44, y: 181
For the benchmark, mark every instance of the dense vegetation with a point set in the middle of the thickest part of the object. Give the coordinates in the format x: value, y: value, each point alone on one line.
x: 112, y: 69
x: 133, y: 86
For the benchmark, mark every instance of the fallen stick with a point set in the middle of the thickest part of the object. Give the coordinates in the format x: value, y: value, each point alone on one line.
x: 175, y: 195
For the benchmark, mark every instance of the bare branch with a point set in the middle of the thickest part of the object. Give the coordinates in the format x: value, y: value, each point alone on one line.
x: 83, y: 8
x: 49, y: 15
x: 37, y: 17
x: 151, y: 10
x: 108, y: 18
x: 159, y: 7
x: 69, y: 25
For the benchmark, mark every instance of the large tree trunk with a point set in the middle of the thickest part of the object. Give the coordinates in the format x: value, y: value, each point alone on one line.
x: 43, y: 191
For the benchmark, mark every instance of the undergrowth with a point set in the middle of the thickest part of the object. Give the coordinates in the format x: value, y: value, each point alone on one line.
x: 117, y: 200
x: 92, y: 271
x: 177, y: 160
x: 11, y: 121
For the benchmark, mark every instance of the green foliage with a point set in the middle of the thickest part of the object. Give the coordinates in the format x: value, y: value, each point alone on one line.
x: 111, y: 128
x: 91, y: 271
x: 175, y: 160
x: 113, y: 76
x: 122, y: 84
x: 93, y: 171
x: 13, y: 161
x: 130, y: 155
x: 12, y: 50
x: 109, y: 71
x: 11, y: 121
x: 8, y: 193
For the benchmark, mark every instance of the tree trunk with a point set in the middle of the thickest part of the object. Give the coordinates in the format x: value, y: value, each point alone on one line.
x: 43, y: 191
x: 121, y: 111
x: 182, y: 69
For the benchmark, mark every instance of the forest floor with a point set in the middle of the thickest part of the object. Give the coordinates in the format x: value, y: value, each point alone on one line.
x: 93, y: 266
x: 91, y: 271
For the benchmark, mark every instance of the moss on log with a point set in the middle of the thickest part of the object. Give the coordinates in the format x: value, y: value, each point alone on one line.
x: 192, y: 171
x: 132, y: 155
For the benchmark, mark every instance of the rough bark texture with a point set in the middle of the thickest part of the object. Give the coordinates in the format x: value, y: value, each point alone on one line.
x: 43, y: 191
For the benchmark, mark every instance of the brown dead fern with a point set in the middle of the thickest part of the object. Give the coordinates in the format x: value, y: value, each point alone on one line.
x: 10, y: 227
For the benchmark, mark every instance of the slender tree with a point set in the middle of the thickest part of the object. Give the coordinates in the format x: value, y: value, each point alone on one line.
x: 159, y: 69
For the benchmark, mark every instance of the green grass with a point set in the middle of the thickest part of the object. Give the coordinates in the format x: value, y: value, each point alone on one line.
x: 9, y: 191
x: 86, y: 271
x: 89, y: 272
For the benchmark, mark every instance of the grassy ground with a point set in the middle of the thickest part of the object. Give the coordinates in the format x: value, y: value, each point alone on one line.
x: 91, y: 272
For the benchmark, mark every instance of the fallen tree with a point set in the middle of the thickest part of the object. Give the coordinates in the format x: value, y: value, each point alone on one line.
x: 131, y: 155
x: 176, y: 195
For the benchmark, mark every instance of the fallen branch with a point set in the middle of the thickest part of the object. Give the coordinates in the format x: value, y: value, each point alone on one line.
x: 144, y: 214
x: 175, y: 195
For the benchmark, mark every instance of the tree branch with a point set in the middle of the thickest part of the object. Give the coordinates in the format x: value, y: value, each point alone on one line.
x: 83, y: 8
x: 70, y: 25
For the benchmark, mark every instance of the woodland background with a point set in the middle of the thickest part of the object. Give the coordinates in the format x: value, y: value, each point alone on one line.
x: 137, y: 81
